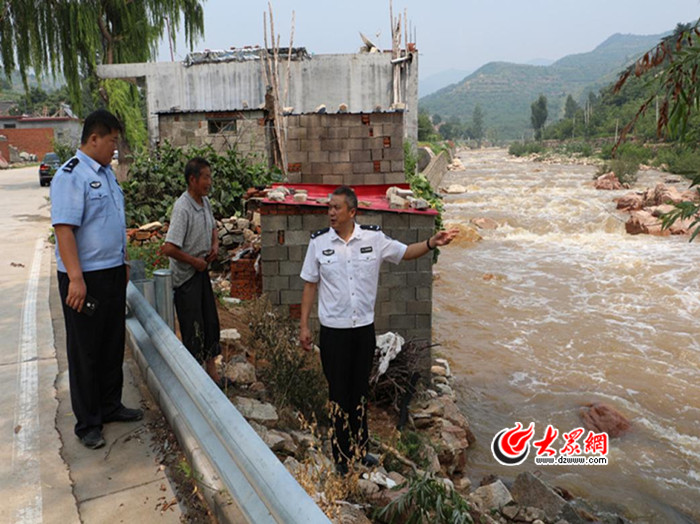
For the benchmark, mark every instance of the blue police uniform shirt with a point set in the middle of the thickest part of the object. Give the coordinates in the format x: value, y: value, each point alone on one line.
x: 86, y: 195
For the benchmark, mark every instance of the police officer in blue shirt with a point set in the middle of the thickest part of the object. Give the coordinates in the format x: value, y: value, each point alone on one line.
x: 87, y: 213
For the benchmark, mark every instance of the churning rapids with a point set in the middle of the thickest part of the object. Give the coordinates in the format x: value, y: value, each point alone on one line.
x: 559, y: 307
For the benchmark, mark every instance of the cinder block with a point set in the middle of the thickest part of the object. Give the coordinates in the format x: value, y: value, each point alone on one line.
x: 299, y: 237
x: 274, y: 253
x: 311, y: 178
x: 296, y: 253
x: 321, y: 168
x: 424, y: 293
x: 394, y: 178
x: 296, y: 283
x: 339, y: 156
x: 393, y: 153
x: 376, y: 220
x: 318, y: 156
x: 375, y: 142
x: 275, y: 282
x: 293, y: 222
x: 331, y: 144
x: 311, y: 223
x: 385, y: 166
x: 342, y: 168
x: 392, y: 308
x: 419, y: 308
x: 273, y: 223
x: 397, y: 166
x: 373, y: 178
x: 422, y: 278
x: 377, y: 154
x: 333, y: 180
x: 402, y: 322
x: 360, y: 156
x: 297, y: 157
x: 338, y: 132
x: 293, y: 145
x: 289, y: 268
x: 356, y: 144
x: 289, y: 296
x: 358, y: 131
x: 296, y: 133
x: 270, y: 268
x: 396, y: 221
x: 393, y: 279
x: 274, y: 297
x: 294, y: 178
x: 363, y: 168
x: 310, y: 145
x: 402, y: 294
x: 424, y: 321
x: 422, y: 222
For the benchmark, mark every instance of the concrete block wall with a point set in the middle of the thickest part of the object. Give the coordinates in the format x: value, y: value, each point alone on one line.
x: 404, y: 296
x: 343, y: 148
x: 436, y: 169
x: 184, y: 129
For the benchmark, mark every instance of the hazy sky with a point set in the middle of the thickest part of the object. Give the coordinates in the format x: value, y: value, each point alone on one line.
x: 450, y: 34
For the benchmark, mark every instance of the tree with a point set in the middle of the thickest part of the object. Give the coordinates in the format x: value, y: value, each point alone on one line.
x: 539, y: 115
x: 67, y: 38
x: 436, y: 119
x: 426, y: 132
x: 477, y: 130
x: 570, y: 107
x: 675, y: 62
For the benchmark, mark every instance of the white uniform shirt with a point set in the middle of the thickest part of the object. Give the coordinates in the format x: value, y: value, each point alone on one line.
x: 348, y: 273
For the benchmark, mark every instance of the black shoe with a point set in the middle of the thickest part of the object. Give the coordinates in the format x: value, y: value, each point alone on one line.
x: 341, y: 469
x: 124, y: 414
x: 369, y: 460
x: 93, y: 439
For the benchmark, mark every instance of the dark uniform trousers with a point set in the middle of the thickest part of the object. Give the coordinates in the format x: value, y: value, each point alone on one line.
x: 346, y: 357
x: 95, y: 347
x: 195, y: 304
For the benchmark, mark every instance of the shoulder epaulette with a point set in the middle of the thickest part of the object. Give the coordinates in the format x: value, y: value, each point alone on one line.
x: 371, y: 227
x: 320, y: 232
x: 70, y: 165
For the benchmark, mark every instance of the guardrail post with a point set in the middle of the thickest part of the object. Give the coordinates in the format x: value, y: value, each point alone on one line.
x: 165, y: 306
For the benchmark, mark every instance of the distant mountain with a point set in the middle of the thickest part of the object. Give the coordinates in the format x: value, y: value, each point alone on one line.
x: 505, y: 90
x: 540, y: 62
x: 432, y: 83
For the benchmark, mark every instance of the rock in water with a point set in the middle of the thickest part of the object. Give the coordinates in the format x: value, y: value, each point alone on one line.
x: 603, y: 418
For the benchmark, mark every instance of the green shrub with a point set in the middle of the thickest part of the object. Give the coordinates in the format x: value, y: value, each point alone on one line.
x: 151, y: 254
x: 525, y: 148
x: 156, y: 180
x: 427, y: 500
x: 681, y: 161
x: 578, y: 148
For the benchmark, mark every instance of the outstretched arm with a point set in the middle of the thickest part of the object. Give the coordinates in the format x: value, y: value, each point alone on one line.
x: 441, y: 238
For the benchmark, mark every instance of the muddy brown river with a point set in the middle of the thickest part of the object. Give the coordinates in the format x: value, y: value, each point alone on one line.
x: 559, y: 307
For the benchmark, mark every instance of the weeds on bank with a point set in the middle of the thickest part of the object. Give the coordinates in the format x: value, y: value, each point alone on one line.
x: 317, y: 474
x: 427, y: 500
x: 293, y: 376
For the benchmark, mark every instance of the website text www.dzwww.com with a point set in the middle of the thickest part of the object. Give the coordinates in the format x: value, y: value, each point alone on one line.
x: 576, y: 461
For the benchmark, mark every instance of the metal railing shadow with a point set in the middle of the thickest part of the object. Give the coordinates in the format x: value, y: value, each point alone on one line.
x: 220, y: 444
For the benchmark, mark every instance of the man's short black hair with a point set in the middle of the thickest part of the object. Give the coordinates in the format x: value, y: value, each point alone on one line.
x: 101, y: 122
x: 194, y: 168
x: 349, y: 194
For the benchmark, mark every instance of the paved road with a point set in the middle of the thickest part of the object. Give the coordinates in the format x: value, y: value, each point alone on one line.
x: 46, y: 476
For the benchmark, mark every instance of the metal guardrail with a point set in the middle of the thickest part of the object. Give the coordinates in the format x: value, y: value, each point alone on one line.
x: 257, y: 482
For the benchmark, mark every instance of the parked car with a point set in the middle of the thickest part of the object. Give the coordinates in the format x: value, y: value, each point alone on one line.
x: 48, y: 167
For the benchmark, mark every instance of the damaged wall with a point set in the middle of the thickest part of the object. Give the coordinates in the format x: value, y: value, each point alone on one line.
x: 362, y: 81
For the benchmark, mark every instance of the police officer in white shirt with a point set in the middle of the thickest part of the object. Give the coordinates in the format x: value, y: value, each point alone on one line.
x: 343, y: 263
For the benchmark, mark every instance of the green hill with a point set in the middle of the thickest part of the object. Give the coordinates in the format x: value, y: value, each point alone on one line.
x: 505, y: 90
